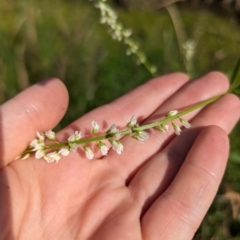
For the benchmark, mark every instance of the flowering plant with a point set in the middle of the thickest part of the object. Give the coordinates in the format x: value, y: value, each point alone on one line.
x: 46, y: 145
x: 53, y: 150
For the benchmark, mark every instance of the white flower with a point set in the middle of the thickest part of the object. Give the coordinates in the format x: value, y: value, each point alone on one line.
x: 89, y: 152
x: 95, y: 127
x: 117, y: 146
x: 163, y: 128
x: 113, y: 131
x: 141, y: 136
x: 185, y: 123
x: 72, y: 147
x: 176, y: 128
x: 172, y: 113
x: 36, y: 144
x: 74, y: 137
x: 64, y: 151
x: 52, y: 156
x: 153, y: 69
x: 40, y: 136
x: 127, y: 33
x: 39, y: 153
x: 132, y: 122
x: 50, y: 135
x: 128, y: 52
x: 103, y: 148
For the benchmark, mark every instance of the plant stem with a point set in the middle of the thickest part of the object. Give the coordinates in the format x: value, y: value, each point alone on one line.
x: 235, y: 79
x: 181, y: 113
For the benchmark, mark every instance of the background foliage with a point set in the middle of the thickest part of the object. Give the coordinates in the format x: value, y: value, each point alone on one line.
x: 60, y: 38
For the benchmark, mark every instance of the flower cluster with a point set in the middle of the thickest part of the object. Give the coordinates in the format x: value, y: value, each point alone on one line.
x: 109, y: 17
x: 121, y: 34
x: 38, y: 146
x: 139, y: 135
x: 164, y: 127
x: 53, y: 151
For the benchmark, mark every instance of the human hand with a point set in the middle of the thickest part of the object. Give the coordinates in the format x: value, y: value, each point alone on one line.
x: 157, y: 190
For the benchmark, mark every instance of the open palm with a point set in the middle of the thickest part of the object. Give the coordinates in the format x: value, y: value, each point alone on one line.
x: 157, y: 190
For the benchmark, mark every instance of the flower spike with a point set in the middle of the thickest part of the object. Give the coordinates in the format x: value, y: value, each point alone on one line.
x: 55, y: 150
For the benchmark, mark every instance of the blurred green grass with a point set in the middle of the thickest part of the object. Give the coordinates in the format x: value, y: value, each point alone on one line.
x: 41, y: 39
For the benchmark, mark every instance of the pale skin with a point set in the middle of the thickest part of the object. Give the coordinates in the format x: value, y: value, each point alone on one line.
x: 157, y: 190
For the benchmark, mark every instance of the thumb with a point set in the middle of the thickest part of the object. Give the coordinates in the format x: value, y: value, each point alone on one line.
x: 38, y: 108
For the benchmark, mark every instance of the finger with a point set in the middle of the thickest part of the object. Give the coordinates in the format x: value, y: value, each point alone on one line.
x: 141, y: 101
x: 156, y: 175
x: 224, y: 113
x: 177, y: 213
x: 38, y: 108
x: 134, y: 156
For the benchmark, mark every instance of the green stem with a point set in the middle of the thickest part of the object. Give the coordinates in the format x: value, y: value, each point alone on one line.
x: 180, y: 31
x: 235, y: 79
x: 179, y: 114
